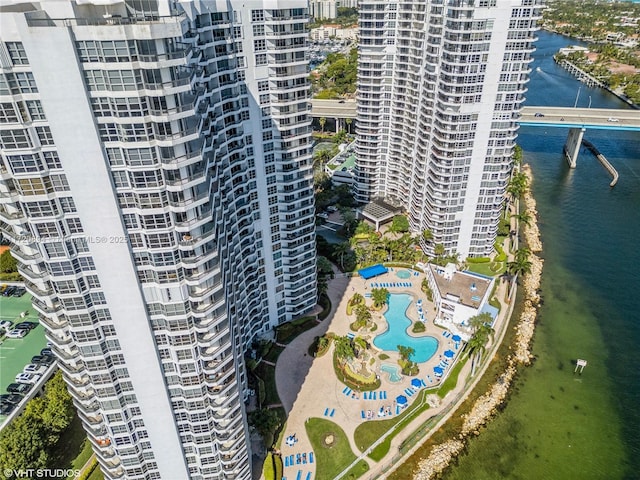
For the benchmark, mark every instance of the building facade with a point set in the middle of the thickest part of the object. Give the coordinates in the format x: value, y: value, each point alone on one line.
x: 323, y: 9
x: 440, y: 85
x: 156, y: 187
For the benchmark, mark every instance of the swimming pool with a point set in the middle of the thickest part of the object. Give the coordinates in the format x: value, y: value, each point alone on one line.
x: 403, y: 274
x: 425, y: 347
x: 393, y: 371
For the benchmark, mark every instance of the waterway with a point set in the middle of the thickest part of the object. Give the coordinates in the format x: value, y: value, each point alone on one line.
x: 559, y: 424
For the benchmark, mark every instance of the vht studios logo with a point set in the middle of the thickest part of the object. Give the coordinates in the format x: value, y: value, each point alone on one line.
x: 45, y: 473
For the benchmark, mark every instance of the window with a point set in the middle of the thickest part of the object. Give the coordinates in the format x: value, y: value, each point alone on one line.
x: 259, y: 45
x: 11, y: 139
x: 24, y: 163
x: 51, y: 160
x: 257, y: 15
x: 25, y: 82
x: 258, y: 30
x: 44, y: 135
x: 261, y: 59
x: 35, y: 110
x: 8, y: 113
x: 17, y: 53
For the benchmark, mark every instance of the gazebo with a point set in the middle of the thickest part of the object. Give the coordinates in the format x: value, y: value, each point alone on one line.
x: 378, y: 211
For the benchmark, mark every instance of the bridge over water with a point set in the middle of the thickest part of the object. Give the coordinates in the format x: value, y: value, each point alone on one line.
x: 577, y: 120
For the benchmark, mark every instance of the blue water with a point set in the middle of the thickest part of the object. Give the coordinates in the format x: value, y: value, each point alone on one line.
x: 393, y: 371
x: 557, y: 424
x: 396, y: 317
x: 403, y: 274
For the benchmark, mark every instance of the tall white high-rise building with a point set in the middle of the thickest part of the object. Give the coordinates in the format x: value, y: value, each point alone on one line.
x: 440, y: 85
x: 156, y: 185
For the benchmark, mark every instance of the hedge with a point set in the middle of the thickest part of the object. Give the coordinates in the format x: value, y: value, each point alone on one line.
x: 478, y: 259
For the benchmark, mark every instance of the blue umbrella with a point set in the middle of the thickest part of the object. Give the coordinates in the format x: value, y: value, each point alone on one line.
x: 449, y: 354
x: 456, y: 338
x: 438, y: 370
x: 416, y: 383
x: 401, y: 400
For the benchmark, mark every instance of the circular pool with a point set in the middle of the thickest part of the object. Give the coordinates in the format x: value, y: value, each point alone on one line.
x: 404, y: 274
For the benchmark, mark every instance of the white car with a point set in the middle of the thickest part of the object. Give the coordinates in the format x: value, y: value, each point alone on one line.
x: 323, y: 215
x: 17, y: 333
x: 612, y: 119
x: 30, y: 378
x: 33, y: 368
x: 6, y: 324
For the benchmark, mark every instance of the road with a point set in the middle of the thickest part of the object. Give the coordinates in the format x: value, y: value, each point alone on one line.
x: 626, y: 119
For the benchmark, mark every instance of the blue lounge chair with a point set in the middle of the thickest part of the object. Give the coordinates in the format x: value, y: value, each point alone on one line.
x: 308, y: 477
x: 310, y: 457
x: 374, y: 395
x: 299, y: 475
x: 326, y: 412
x: 333, y: 410
x: 362, y: 414
x: 365, y: 395
x: 344, y: 390
x: 298, y: 459
x: 286, y: 461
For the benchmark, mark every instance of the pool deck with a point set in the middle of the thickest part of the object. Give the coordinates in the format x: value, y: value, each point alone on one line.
x: 308, y: 386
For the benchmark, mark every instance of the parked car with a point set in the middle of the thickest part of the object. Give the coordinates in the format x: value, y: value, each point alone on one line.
x: 21, y: 388
x: 46, y: 351
x: 26, y: 325
x: 538, y: 114
x: 18, y: 333
x: 323, y: 215
x: 7, y: 408
x: 43, y: 359
x: 20, y: 291
x: 11, y: 398
x: 34, y: 368
x: 332, y: 209
x: 28, y: 377
x: 612, y: 119
x: 9, y: 291
x: 6, y: 324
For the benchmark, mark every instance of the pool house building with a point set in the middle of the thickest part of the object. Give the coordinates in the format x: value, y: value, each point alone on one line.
x: 458, y: 296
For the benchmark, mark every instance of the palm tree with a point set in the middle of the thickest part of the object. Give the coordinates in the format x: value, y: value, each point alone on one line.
x: 357, y: 299
x: 520, y: 265
x: 523, y: 253
x: 344, y: 349
x: 427, y: 235
x: 322, y: 122
x: 518, y: 185
x: 340, y: 250
x: 348, y: 121
x: 523, y: 217
x: 380, y: 296
x: 360, y: 344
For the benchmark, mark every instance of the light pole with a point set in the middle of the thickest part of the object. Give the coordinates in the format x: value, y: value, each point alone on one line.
x: 577, y: 96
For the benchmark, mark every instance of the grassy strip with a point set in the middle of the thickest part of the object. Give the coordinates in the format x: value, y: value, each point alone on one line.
x: 333, y: 458
x: 452, y: 380
x: 367, y: 433
x: 273, y: 353
x: 267, y: 374
x: 286, y: 332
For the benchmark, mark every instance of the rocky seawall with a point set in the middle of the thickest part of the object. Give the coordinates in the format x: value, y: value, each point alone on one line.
x: 486, y: 406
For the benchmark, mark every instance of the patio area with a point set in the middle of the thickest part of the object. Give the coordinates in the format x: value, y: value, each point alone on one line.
x: 309, y: 387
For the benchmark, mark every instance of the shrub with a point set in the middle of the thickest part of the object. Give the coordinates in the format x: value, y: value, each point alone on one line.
x: 478, y: 259
x: 383, y: 356
x: 325, y: 303
x: 418, y: 327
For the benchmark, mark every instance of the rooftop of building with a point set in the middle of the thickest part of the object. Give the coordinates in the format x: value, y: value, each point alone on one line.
x: 465, y: 287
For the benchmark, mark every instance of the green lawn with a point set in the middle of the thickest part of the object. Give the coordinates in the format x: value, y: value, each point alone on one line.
x: 490, y: 269
x: 84, y: 455
x: 368, y: 433
x: 452, y: 380
x: 96, y: 474
x: 268, y: 374
x: 333, y: 459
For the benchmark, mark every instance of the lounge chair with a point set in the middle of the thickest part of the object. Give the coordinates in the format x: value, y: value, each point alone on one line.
x: 362, y: 414
x: 310, y: 457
